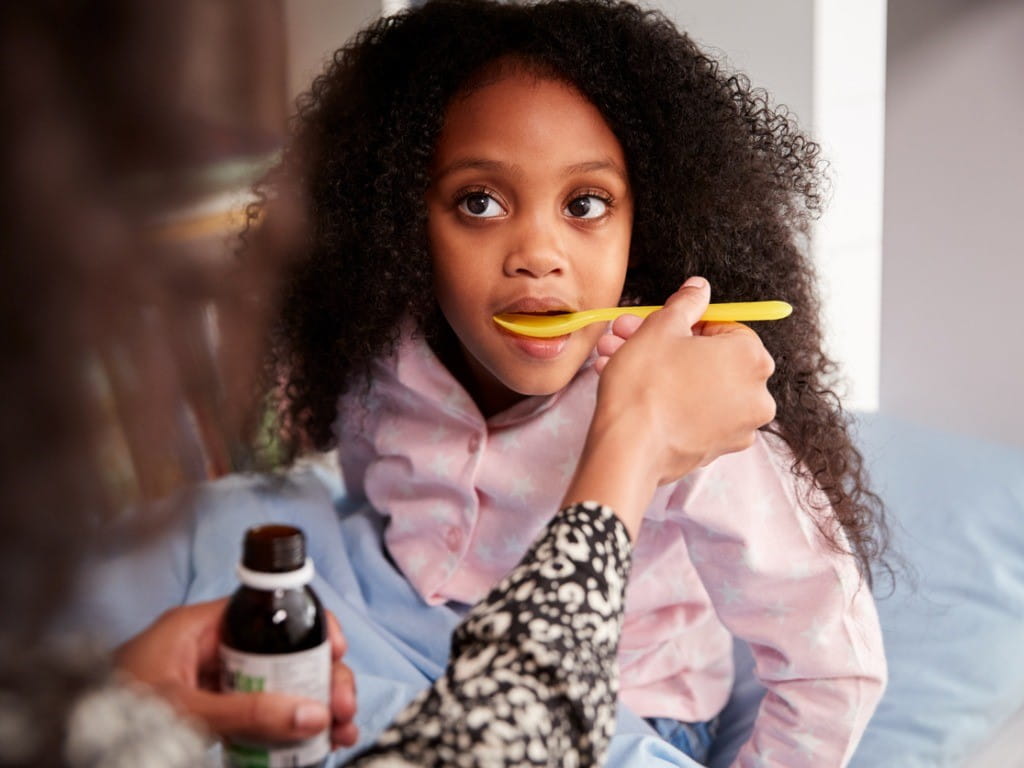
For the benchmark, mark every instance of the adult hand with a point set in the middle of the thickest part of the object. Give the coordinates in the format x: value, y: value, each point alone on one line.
x: 701, y: 388
x: 176, y: 656
x: 675, y: 393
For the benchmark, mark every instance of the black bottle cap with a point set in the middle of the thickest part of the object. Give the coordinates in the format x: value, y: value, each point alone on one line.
x: 274, y: 549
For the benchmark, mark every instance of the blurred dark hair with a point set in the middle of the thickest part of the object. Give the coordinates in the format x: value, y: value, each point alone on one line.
x: 725, y: 186
x: 111, y: 396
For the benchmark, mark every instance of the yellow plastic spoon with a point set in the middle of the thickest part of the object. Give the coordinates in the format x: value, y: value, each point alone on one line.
x: 546, y: 326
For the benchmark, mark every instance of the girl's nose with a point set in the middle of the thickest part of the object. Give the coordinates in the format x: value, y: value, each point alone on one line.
x: 535, y: 252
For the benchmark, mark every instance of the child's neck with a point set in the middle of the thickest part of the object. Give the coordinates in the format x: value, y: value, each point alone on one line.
x: 490, y: 397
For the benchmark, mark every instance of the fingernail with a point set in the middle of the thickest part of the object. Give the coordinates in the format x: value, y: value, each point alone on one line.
x: 695, y: 282
x: 310, y: 716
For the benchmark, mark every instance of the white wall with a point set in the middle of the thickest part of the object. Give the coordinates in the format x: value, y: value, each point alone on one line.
x: 953, y: 281
x: 773, y: 43
x: 849, y: 122
x: 315, y: 29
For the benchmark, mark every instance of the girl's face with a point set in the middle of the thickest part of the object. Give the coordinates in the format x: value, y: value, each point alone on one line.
x: 529, y: 210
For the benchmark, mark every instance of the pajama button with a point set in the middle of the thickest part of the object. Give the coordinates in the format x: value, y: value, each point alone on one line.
x: 474, y: 444
x: 453, y: 538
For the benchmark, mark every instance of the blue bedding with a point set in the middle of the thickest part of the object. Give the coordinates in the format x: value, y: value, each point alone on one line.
x: 953, y: 639
x: 397, y: 644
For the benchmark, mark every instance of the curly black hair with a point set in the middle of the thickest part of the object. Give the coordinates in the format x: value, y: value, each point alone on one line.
x: 725, y: 185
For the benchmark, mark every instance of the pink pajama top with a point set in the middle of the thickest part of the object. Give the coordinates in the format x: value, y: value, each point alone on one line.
x: 729, y: 550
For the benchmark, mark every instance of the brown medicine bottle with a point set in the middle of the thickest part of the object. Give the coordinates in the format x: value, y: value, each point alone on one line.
x: 274, y: 639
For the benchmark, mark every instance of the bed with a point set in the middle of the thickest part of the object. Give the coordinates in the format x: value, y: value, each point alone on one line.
x: 953, y: 621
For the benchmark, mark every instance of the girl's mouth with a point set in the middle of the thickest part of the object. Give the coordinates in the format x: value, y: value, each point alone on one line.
x: 535, y: 348
x: 536, y: 305
x: 540, y: 349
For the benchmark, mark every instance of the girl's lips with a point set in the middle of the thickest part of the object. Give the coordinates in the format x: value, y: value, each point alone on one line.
x: 542, y: 349
x: 536, y: 305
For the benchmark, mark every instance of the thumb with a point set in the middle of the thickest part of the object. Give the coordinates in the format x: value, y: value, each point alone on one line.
x: 258, y: 716
x: 685, y: 307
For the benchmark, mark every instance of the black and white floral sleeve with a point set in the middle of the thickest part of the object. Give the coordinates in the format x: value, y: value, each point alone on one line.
x: 532, y: 678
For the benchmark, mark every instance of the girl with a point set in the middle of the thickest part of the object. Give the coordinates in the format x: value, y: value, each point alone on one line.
x: 468, y: 158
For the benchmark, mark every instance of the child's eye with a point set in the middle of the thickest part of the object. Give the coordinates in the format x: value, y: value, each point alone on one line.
x: 480, y: 205
x: 587, y: 207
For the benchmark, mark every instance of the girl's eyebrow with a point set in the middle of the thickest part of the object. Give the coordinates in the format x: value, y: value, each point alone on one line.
x: 597, y: 165
x: 482, y: 164
x: 478, y: 164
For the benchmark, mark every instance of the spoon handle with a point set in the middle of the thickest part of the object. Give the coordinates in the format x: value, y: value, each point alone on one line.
x: 556, y: 325
x: 747, y: 311
x: 736, y: 311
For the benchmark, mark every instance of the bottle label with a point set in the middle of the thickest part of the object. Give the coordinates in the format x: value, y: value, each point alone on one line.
x: 304, y: 673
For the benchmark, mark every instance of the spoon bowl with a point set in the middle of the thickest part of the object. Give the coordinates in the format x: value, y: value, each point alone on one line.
x: 548, y: 326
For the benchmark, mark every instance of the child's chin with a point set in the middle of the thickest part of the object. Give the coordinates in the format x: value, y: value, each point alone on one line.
x: 542, y: 386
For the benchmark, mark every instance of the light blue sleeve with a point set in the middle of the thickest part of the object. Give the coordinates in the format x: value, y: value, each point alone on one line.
x: 636, y: 745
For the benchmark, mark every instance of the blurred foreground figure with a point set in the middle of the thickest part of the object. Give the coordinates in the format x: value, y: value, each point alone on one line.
x: 133, y: 346
x: 126, y: 125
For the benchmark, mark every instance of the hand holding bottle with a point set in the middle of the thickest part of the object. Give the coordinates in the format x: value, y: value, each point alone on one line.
x: 177, y: 656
